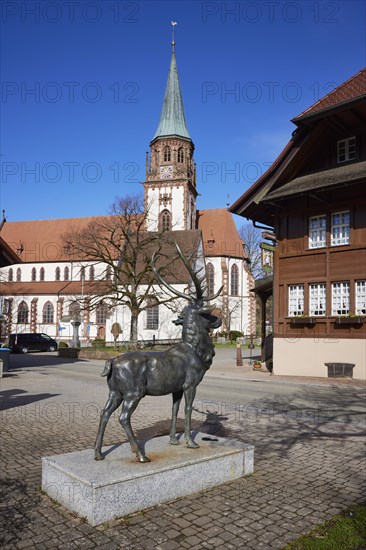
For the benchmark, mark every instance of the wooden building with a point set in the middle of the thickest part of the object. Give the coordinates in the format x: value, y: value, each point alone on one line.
x: 314, y: 199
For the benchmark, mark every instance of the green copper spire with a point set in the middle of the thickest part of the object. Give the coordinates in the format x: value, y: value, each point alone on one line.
x: 172, y: 119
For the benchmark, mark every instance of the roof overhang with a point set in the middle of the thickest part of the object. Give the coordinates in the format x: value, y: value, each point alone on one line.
x: 320, y: 181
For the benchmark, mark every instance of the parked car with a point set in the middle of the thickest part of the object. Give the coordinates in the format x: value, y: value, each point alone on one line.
x: 32, y: 341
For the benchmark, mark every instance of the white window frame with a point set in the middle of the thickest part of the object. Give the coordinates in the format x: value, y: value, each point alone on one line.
x: 295, y: 300
x: 346, y: 149
x: 340, y: 229
x: 340, y: 298
x: 152, y: 316
x: 317, y: 231
x: 317, y: 299
x: 360, y: 292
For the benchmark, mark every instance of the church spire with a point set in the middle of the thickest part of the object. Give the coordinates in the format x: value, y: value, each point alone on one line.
x: 172, y: 120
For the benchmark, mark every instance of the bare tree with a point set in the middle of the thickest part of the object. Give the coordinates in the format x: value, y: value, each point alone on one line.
x: 121, y: 250
x: 252, y: 238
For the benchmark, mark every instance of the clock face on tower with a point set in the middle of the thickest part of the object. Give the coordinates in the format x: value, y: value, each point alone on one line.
x: 166, y: 172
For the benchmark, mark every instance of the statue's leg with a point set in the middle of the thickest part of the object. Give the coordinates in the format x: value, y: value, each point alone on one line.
x: 114, y: 401
x: 177, y: 397
x: 189, y: 396
x: 129, y: 405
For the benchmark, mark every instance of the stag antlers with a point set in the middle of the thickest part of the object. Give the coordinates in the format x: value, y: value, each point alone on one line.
x: 197, y: 281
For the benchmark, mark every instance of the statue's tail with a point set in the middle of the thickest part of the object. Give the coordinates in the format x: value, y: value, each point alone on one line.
x: 107, y: 367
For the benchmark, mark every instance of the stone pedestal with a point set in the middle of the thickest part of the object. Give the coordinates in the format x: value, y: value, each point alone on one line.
x: 103, y: 490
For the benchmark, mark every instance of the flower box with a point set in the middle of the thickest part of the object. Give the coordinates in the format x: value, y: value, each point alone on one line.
x: 303, y: 321
x: 357, y: 320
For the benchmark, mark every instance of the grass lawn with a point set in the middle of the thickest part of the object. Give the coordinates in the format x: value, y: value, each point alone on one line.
x: 345, y: 531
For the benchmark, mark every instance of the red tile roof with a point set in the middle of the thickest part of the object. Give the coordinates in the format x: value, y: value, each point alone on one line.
x: 351, y: 89
x: 41, y: 240
x: 219, y: 233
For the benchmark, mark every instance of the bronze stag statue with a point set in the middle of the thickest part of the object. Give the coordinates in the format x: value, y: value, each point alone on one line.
x: 178, y: 370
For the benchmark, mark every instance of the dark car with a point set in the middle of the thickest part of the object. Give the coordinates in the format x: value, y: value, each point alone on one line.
x: 31, y: 341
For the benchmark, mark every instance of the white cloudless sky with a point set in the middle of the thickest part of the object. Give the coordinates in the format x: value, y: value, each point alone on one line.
x: 82, y: 85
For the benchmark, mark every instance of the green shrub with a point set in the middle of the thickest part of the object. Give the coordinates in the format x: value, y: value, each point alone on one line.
x: 98, y: 343
x: 234, y: 334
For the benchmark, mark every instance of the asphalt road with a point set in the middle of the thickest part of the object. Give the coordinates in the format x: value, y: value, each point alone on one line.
x: 246, y: 398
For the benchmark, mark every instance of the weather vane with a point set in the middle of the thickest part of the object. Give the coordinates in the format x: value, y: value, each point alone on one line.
x: 173, y: 25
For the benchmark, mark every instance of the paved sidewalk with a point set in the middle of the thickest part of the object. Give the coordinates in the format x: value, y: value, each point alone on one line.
x: 246, y: 372
x: 306, y: 469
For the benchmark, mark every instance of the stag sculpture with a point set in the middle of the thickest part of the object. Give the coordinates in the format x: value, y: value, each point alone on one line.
x: 178, y: 370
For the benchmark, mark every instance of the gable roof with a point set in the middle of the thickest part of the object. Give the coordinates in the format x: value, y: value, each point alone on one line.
x: 219, y: 232
x: 352, y: 92
x: 353, y: 88
x: 41, y: 240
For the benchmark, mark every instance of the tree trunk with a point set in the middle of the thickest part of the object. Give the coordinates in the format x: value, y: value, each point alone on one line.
x: 133, y: 329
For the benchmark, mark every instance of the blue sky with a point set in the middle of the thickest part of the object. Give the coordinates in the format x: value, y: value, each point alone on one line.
x: 83, y: 84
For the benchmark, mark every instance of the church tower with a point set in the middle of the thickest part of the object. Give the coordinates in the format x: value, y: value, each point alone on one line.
x: 170, y: 185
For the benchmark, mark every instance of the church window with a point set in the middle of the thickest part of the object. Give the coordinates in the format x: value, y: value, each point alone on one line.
x: 41, y: 274
x: 58, y: 274
x: 165, y: 221
x: 66, y: 273
x: 48, y: 311
x: 23, y: 313
x: 234, y: 281
x: 91, y: 273
x: 10, y: 275
x: 210, y: 271
x: 180, y: 154
x: 152, y: 315
x: 101, y: 313
x: 34, y: 274
x: 19, y: 275
x: 167, y: 154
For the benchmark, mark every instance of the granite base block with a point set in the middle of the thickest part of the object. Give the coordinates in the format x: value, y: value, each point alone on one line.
x: 119, y: 485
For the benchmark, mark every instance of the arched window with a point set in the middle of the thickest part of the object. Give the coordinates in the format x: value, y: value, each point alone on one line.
x: 57, y: 274
x: 19, y: 275
x: 91, y: 273
x: 167, y: 154
x: 210, y: 273
x: 108, y: 273
x: 234, y: 280
x: 34, y: 274
x: 152, y: 315
x: 180, y: 154
x: 41, y: 274
x: 48, y: 312
x: 101, y: 314
x: 10, y: 275
x: 66, y: 273
x: 165, y: 221
x: 23, y: 313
